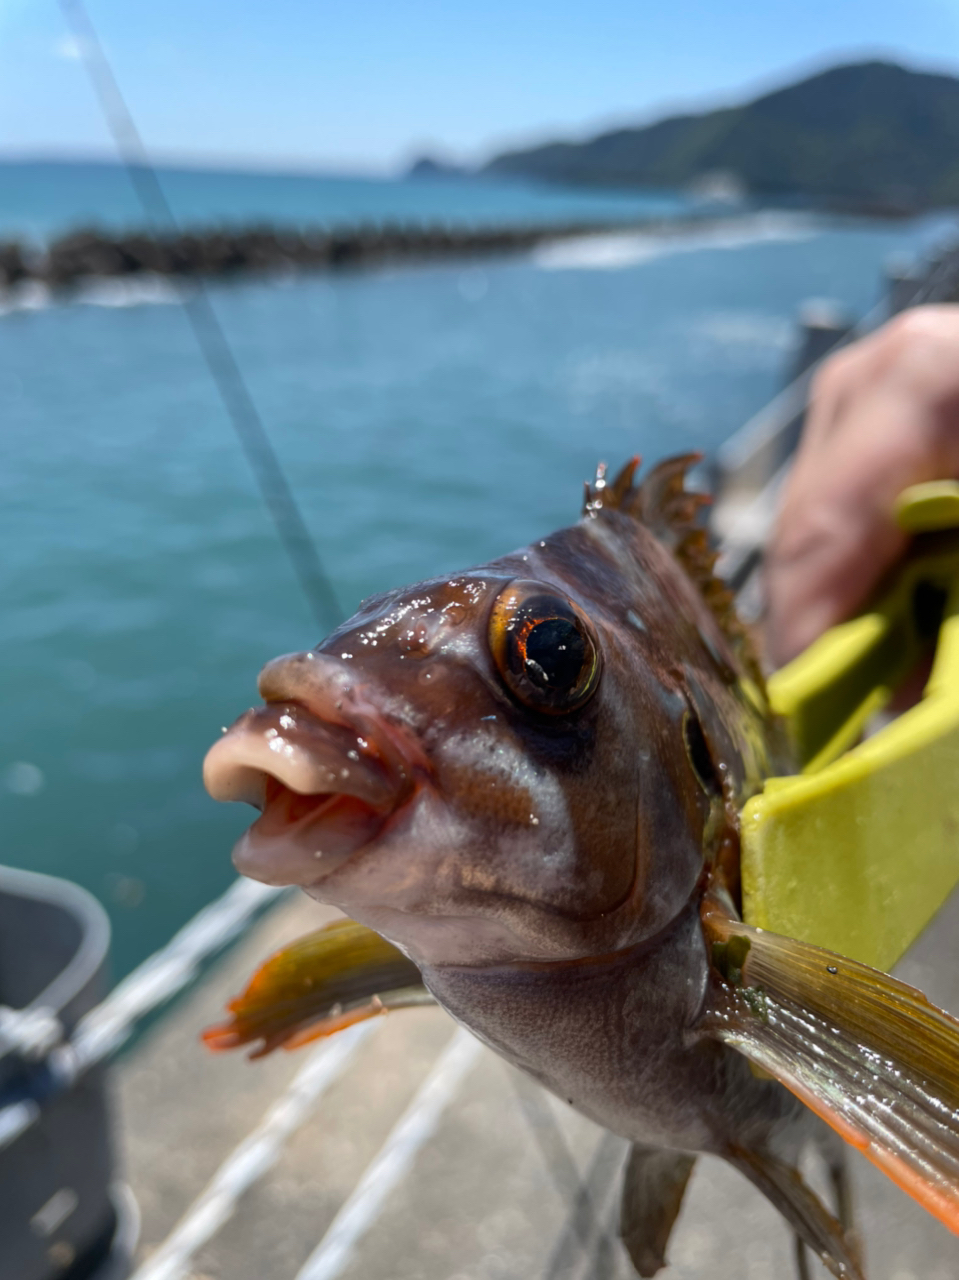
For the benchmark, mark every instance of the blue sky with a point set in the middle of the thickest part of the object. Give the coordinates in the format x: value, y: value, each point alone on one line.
x: 367, y: 85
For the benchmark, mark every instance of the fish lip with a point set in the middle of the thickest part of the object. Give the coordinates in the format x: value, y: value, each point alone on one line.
x: 341, y: 752
x: 290, y: 856
x: 307, y: 755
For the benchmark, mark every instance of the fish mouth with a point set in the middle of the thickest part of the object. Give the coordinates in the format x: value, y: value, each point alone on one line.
x: 326, y: 788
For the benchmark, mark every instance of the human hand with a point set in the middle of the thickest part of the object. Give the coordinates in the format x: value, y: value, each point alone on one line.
x: 883, y: 414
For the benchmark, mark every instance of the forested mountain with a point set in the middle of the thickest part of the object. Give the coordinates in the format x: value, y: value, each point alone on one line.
x: 870, y: 134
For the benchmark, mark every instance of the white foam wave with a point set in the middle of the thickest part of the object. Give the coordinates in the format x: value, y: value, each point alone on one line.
x: 133, y: 291
x: 746, y: 329
x: 610, y: 252
x: 31, y: 296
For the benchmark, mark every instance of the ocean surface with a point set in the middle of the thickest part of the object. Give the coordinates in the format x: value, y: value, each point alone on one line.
x: 428, y: 419
x: 40, y: 199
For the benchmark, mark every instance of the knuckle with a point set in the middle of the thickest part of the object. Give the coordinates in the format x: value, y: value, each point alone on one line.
x: 913, y: 334
x: 831, y: 375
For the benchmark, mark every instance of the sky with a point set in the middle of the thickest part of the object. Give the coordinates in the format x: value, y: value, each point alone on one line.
x: 366, y: 86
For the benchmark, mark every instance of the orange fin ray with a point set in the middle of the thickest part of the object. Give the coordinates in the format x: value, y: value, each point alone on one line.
x: 316, y: 986
x: 869, y: 1054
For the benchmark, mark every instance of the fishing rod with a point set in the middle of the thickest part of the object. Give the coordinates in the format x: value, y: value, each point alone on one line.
x: 214, y: 346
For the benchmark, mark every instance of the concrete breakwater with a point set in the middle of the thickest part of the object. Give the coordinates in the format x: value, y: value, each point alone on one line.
x: 226, y: 251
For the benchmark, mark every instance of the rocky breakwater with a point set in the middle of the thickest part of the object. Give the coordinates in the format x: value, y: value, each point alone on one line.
x: 98, y: 254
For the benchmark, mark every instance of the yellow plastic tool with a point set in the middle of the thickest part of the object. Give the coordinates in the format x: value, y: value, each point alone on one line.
x: 859, y: 851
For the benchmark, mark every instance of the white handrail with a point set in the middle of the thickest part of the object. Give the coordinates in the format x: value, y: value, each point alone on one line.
x: 398, y: 1152
x: 168, y: 971
x: 254, y: 1156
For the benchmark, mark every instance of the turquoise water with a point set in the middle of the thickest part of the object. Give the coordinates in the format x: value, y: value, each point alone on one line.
x: 39, y: 199
x: 428, y: 419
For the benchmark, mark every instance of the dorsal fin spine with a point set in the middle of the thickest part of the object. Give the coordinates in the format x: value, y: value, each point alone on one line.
x: 672, y: 513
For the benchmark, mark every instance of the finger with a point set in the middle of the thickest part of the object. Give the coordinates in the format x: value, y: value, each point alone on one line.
x: 883, y: 414
x: 836, y: 535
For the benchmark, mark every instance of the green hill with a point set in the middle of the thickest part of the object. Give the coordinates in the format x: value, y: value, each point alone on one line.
x: 870, y: 134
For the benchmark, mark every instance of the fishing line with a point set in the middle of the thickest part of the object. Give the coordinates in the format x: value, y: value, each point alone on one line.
x: 586, y: 1231
x: 210, y: 336
x: 561, y: 1165
x: 274, y: 487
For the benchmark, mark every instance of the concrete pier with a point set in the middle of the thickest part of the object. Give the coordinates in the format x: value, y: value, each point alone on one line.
x: 509, y: 1184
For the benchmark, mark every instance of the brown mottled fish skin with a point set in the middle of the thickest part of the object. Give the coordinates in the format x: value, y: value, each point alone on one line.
x: 546, y: 872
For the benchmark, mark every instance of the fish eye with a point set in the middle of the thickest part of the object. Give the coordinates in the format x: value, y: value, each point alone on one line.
x: 544, y: 649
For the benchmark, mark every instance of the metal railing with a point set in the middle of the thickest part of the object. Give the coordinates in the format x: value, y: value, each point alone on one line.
x: 154, y: 983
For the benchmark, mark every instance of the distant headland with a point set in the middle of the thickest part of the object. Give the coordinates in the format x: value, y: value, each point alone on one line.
x: 872, y: 136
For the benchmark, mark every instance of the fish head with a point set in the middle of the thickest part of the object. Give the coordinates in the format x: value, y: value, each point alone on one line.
x: 496, y: 766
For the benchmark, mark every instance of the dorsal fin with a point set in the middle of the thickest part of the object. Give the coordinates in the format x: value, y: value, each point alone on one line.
x: 661, y: 501
x: 672, y: 512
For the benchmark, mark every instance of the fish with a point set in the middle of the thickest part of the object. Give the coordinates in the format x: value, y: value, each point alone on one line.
x: 521, y: 784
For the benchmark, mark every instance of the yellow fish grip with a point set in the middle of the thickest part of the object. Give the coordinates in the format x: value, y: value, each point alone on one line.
x: 858, y: 851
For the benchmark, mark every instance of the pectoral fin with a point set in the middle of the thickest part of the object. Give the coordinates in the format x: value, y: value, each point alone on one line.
x: 320, y: 984
x: 867, y: 1053
x: 653, y: 1187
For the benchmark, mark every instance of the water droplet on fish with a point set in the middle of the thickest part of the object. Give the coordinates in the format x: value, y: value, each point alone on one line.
x: 344, y: 773
x: 318, y: 853
x: 534, y: 821
x: 487, y: 717
x: 223, y: 728
x: 352, y: 755
x: 636, y: 620
x: 346, y: 655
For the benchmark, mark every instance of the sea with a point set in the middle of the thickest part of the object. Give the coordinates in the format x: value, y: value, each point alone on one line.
x: 428, y: 417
